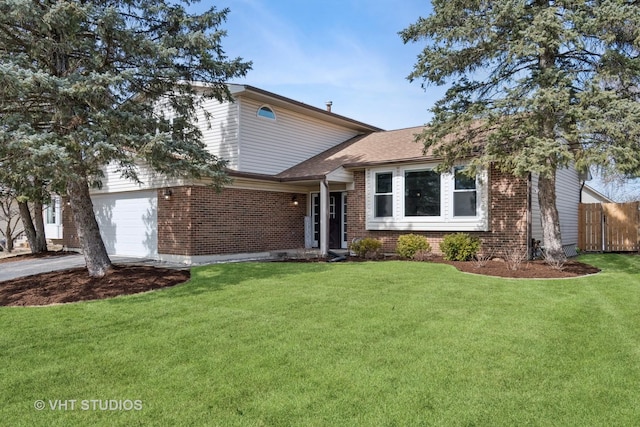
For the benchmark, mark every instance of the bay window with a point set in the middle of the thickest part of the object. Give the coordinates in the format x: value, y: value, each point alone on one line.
x: 416, y: 197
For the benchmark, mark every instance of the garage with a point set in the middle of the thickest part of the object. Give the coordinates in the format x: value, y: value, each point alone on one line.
x: 128, y: 222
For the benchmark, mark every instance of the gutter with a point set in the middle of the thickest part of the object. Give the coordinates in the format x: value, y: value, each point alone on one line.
x: 360, y: 165
x: 273, y: 178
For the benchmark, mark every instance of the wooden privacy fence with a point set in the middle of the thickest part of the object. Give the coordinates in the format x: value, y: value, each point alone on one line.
x: 609, y: 227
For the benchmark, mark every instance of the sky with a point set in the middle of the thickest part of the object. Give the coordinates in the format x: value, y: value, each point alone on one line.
x: 345, y: 51
x: 348, y: 52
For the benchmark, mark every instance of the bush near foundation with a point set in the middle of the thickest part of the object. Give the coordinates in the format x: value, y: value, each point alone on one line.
x: 367, y: 247
x: 459, y: 247
x: 411, y: 244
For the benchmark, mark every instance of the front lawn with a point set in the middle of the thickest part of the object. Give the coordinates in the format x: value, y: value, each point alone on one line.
x: 386, y: 343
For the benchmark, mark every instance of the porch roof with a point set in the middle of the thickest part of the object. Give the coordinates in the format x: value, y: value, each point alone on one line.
x: 375, y: 148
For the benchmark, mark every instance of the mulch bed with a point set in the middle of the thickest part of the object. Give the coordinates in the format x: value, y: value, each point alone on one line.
x: 26, y: 256
x: 528, y: 270
x: 75, y: 285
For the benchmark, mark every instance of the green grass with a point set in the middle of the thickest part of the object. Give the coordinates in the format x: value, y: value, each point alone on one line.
x: 286, y: 344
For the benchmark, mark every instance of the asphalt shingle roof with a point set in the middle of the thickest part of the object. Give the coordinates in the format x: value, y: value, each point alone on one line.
x: 375, y: 148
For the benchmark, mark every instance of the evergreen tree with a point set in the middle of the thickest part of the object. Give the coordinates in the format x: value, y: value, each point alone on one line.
x: 80, y: 86
x: 542, y: 84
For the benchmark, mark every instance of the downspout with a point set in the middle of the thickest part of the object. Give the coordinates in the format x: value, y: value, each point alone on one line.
x: 529, y: 218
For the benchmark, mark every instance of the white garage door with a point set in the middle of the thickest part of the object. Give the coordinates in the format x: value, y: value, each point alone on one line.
x: 128, y: 222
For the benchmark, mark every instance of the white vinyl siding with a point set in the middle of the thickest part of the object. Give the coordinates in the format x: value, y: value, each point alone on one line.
x: 340, y: 175
x: 272, y: 146
x: 445, y: 221
x: 114, y: 182
x: 567, y: 200
x: 220, y: 129
x: 221, y: 137
x: 128, y: 222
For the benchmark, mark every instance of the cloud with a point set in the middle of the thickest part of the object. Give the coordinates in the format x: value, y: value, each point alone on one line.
x: 343, y: 54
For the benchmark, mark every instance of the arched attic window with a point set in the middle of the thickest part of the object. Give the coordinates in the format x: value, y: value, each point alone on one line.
x: 266, y: 112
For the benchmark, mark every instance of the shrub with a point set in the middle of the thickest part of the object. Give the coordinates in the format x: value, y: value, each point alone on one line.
x: 367, y: 247
x: 423, y: 255
x: 482, y: 259
x: 459, y: 247
x: 515, y: 257
x: 410, y: 244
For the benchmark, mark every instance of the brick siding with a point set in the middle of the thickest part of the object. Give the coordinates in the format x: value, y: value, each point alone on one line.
x: 508, y: 228
x: 197, y: 220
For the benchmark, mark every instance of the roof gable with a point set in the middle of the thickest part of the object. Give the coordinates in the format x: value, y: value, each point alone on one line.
x: 238, y: 90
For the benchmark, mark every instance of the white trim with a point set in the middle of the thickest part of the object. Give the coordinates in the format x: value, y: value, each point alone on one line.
x: 343, y: 221
x: 324, y: 217
x: 315, y: 226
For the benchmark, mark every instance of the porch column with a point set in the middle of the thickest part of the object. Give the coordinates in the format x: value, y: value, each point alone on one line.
x: 324, y: 218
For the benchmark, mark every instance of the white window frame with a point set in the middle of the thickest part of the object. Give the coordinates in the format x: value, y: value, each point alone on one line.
x: 445, y: 222
x: 376, y: 194
x: 267, y: 107
x: 454, y: 190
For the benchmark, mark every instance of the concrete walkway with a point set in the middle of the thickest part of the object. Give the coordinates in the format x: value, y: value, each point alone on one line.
x: 28, y: 267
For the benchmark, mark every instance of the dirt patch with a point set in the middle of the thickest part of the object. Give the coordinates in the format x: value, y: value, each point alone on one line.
x: 76, y: 285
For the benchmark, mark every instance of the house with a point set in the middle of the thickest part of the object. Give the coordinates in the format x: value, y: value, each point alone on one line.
x: 591, y: 195
x: 51, y: 215
x: 305, y: 177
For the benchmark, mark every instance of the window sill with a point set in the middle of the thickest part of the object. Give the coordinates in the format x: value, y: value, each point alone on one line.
x: 472, y: 224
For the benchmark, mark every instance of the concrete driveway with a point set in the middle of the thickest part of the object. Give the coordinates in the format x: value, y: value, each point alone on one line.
x: 15, y: 269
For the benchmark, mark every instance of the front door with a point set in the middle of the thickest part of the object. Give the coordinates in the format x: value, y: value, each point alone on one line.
x: 337, y: 220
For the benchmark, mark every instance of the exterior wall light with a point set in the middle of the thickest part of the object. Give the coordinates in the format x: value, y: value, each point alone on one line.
x: 294, y: 200
x: 167, y: 194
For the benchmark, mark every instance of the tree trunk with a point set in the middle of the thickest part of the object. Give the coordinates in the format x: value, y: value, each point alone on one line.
x: 95, y: 253
x: 8, y: 237
x: 36, y: 243
x: 41, y: 238
x: 550, y: 218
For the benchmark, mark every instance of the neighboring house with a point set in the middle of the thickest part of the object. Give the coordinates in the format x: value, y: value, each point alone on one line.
x: 590, y: 195
x: 306, y: 177
x: 52, y: 218
x: 52, y: 214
